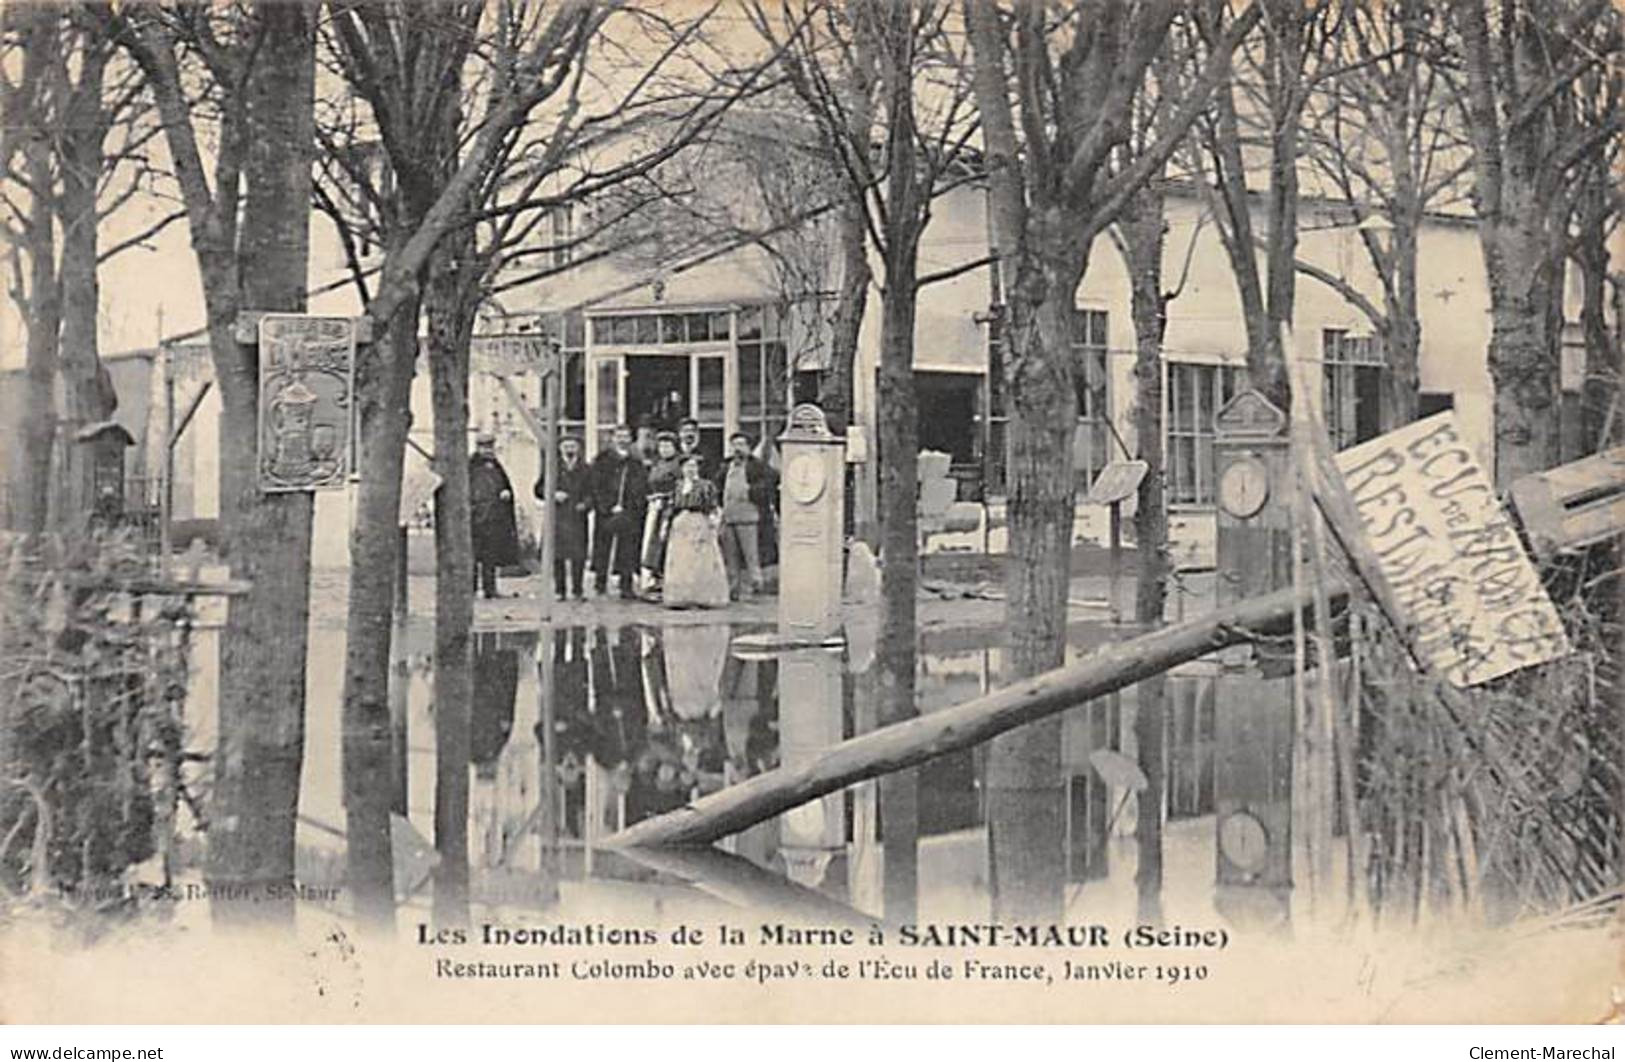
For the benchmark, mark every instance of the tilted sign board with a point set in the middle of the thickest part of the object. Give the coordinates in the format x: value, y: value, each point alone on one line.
x: 1474, y: 602
x: 307, y: 374
x: 1116, y: 483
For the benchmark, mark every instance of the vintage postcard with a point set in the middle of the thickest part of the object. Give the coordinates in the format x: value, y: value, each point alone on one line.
x: 814, y: 511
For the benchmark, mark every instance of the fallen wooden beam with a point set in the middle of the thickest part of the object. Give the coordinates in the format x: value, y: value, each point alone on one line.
x: 907, y: 744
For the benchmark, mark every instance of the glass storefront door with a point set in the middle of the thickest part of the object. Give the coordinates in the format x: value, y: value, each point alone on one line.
x: 711, y: 405
x: 606, y: 398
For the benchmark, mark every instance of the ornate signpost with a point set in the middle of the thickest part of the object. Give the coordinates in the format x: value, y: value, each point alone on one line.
x: 811, y: 502
x: 812, y: 499
x: 307, y: 374
x: 1253, y: 727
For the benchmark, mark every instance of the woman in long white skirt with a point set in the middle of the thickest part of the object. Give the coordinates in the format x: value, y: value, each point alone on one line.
x: 695, y: 576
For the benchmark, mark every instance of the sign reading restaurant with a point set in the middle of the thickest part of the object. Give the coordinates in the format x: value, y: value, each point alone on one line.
x: 307, y: 376
x: 1475, y: 603
x: 508, y: 355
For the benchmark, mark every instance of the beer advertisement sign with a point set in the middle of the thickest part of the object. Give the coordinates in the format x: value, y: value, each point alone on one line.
x: 307, y: 374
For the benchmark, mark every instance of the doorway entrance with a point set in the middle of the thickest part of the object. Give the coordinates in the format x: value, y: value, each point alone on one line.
x: 658, y: 388
x: 665, y: 388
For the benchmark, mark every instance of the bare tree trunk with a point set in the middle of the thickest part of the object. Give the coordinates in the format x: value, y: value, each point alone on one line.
x: 32, y: 484
x: 1142, y: 232
x: 1520, y: 190
x: 1591, y: 257
x: 384, y: 391
x: 82, y: 139
x: 451, y: 322
x: 262, y: 667
x: 1234, y: 211
x: 907, y: 209
x: 1403, y: 337
x: 849, y: 311
x: 1267, y: 300
x: 1048, y: 199
x: 1523, y: 349
x: 1025, y: 787
x: 1285, y: 47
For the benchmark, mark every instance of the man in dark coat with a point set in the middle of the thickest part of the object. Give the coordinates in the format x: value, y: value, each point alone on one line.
x: 620, y: 486
x: 688, y: 442
x: 747, y: 487
x: 572, y: 501
x: 496, y: 683
x: 490, y: 494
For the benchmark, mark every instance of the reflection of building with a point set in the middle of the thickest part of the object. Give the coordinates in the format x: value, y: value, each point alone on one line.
x: 1188, y: 722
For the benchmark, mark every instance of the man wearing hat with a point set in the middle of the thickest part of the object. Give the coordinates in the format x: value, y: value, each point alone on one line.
x: 644, y: 441
x: 688, y: 442
x: 620, y: 488
x: 490, y: 495
x: 572, y: 501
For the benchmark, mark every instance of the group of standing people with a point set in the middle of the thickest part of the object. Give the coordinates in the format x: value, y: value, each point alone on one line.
x: 694, y: 528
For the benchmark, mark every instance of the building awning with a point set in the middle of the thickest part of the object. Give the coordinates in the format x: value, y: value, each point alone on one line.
x: 742, y: 276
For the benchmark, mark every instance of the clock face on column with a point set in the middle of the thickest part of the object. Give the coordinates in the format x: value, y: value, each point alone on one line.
x: 1244, y: 841
x: 1244, y: 488
x: 805, y: 479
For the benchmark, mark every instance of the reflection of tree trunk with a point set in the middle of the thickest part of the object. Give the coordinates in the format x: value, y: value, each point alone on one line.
x: 900, y: 845
x: 962, y: 726
x: 262, y: 667
x: 551, y: 807
x: 450, y: 324
x: 384, y: 389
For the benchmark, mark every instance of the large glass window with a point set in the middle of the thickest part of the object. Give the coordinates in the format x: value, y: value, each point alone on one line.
x: 609, y: 400
x: 762, y: 368
x: 994, y: 438
x: 1091, y: 447
x: 561, y: 234
x: 569, y: 330
x: 1092, y: 444
x: 1353, y: 374
x: 1194, y: 394
x: 661, y: 329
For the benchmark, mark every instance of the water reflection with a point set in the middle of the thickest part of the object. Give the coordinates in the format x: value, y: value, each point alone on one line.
x: 577, y: 732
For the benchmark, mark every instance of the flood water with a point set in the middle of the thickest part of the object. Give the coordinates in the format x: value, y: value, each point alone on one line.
x: 579, y: 731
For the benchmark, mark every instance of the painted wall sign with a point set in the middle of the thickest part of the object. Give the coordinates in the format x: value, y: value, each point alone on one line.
x: 307, y: 374
x: 1475, y: 602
